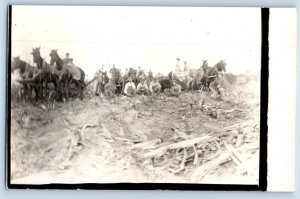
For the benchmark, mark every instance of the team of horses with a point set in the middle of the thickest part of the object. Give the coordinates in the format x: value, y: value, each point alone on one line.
x: 67, y: 80
x: 57, y: 74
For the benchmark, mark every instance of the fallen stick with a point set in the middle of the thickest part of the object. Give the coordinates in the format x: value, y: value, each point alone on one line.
x: 240, y: 140
x: 183, y: 160
x: 87, y: 126
x: 181, y: 134
x: 182, y: 164
x: 189, y: 143
x: 146, y: 145
x: 195, y: 156
x: 182, y: 144
x: 228, y: 128
x: 157, y: 152
x: 123, y: 139
x: 205, y: 168
x: 235, y: 155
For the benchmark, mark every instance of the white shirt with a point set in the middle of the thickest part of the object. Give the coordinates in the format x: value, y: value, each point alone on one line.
x: 128, y: 84
x: 142, y: 86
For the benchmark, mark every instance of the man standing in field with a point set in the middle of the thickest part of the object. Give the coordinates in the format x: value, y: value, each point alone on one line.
x: 150, y: 75
x: 113, y: 72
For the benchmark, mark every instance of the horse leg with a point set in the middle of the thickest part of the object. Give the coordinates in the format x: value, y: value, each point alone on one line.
x: 102, y: 88
x: 47, y: 89
x: 67, y: 89
x: 36, y: 90
x: 81, y: 90
x: 55, y: 88
x: 97, y: 89
x: 208, y: 87
x: 24, y: 92
x: 61, y: 89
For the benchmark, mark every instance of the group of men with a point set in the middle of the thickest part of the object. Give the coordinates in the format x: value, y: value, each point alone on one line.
x: 147, y: 83
x: 154, y: 87
x: 142, y: 87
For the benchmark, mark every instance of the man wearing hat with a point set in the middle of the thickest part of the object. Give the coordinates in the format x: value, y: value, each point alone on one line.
x: 113, y: 72
x: 177, y: 65
x: 185, y: 68
x: 150, y: 75
x: 66, y: 60
x: 130, y: 88
x: 142, y: 88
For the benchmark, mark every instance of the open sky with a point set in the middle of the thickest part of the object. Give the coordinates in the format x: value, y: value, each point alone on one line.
x: 150, y: 37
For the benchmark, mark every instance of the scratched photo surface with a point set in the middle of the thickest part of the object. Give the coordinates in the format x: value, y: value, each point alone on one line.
x: 134, y: 94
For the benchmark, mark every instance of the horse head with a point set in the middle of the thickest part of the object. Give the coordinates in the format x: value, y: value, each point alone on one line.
x: 37, y: 57
x: 14, y: 63
x: 221, y: 66
x: 54, y: 56
x: 205, y: 63
x: 170, y: 76
x: 16, y: 59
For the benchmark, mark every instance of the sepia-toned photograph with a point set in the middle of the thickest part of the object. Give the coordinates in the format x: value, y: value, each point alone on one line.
x: 130, y: 94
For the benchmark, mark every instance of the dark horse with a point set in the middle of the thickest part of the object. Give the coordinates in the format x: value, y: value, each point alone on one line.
x: 211, y: 73
x: 44, y: 71
x: 166, y: 83
x: 66, y: 76
x: 27, y: 72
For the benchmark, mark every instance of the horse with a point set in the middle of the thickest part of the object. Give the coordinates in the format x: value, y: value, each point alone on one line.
x: 166, y: 82
x: 27, y: 74
x: 197, y: 81
x: 44, y: 71
x: 102, y: 80
x: 211, y: 73
x: 67, y: 74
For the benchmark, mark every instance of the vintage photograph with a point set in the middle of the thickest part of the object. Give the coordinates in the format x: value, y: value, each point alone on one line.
x: 132, y: 94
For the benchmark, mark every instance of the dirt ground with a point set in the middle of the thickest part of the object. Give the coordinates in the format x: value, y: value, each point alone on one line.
x: 105, y: 141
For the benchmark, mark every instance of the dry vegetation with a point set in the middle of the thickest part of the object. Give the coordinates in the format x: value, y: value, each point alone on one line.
x: 196, y: 137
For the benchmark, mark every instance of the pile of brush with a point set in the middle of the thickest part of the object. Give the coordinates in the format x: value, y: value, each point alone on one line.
x: 193, y: 156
